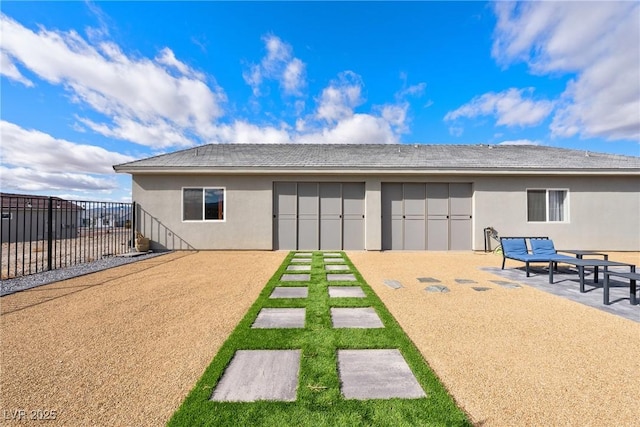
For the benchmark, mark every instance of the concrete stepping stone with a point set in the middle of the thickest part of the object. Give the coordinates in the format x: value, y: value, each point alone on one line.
x: 346, y: 292
x: 376, y: 374
x: 336, y: 267
x: 355, y: 317
x: 286, y: 318
x: 348, y: 277
x: 331, y: 254
x: 289, y: 292
x: 295, y: 278
x: 333, y: 260
x: 505, y: 284
x: 394, y: 284
x: 301, y: 260
x: 299, y: 268
x: 480, y: 288
x: 436, y: 288
x: 303, y: 254
x: 428, y: 280
x: 254, y: 375
x: 465, y: 281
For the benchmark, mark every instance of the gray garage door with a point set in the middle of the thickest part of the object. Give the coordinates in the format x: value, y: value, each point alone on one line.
x: 431, y: 216
x: 311, y: 215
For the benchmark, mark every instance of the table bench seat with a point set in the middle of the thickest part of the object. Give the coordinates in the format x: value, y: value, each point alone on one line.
x: 632, y: 276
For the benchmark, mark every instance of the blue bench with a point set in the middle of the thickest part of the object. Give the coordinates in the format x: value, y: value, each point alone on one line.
x: 543, y: 250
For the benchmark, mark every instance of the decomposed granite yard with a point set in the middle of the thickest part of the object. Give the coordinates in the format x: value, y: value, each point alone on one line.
x: 125, y: 346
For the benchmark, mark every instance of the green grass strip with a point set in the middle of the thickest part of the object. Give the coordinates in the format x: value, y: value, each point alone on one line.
x: 319, y: 401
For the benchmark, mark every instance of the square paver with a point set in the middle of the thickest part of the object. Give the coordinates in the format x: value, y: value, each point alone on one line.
x: 336, y: 267
x: 428, y: 280
x: 331, y: 254
x: 480, y: 288
x: 289, y: 292
x: 299, y: 268
x: 254, y: 375
x: 376, y: 374
x: 303, y: 254
x: 505, y: 284
x: 465, y: 281
x: 436, y: 288
x: 275, y: 318
x: 334, y: 260
x: 301, y: 260
x: 295, y: 278
x: 394, y: 284
x: 348, y: 277
x: 355, y: 317
x: 346, y: 292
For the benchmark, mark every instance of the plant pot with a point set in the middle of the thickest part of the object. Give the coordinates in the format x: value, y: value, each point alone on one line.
x: 142, y: 244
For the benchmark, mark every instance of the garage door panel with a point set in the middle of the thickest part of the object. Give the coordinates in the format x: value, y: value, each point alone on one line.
x: 437, y: 199
x: 309, y: 215
x: 284, y: 221
x: 438, y: 233
x: 460, y: 233
x: 330, y: 216
x: 414, y: 200
x: 392, y: 212
x: 353, y: 234
x: 353, y: 216
x: 414, y: 234
x: 460, y: 199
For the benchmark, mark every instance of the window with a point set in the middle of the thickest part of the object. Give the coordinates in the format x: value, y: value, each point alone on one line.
x: 547, y: 205
x: 7, y: 215
x: 203, y: 204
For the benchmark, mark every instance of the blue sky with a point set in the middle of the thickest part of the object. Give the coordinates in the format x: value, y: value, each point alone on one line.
x: 88, y: 85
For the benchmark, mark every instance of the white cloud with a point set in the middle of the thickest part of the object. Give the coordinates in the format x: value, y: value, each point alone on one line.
x: 339, y: 99
x: 510, y: 108
x: 156, y: 134
x: 40, y: 151
x: 278, y: 64
x: 121, y: 87
x: 26, y: 179
x: 356, y: 129
x: 35, y: 161
x: 596, y: 41
x: 9, y: 70
x: 247, y: 133
x: 456, y: 130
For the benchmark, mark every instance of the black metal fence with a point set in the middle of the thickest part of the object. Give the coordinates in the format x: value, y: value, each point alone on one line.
x: 46, y: 233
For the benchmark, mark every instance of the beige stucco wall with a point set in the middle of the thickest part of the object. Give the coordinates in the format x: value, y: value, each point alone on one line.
x: 603, y: 211
x: 247, y: 223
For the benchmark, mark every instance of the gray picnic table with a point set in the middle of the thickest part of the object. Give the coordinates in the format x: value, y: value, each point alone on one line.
x: 581, y: 254
x: 582, y: 263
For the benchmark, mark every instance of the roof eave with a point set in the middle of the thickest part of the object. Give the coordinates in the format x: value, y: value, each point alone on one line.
x: 200, y: 170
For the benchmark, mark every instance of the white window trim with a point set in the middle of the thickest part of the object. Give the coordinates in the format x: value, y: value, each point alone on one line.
x: 8, y: 218
x: 546, y: 211
x: 224, y: 204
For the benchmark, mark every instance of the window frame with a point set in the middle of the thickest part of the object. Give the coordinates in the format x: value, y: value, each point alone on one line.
x: 547, y: 191
x: 204, y: 206
x: 9, y: 217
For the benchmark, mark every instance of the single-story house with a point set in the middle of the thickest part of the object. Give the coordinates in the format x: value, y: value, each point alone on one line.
x: 385, y: 197
x: 25, y: 217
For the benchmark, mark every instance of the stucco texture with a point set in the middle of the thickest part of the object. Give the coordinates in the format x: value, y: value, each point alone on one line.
x: 125, y: 346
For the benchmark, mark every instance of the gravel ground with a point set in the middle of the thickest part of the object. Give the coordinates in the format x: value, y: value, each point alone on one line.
x: 512, y: 357
x: 22, y: 283
x: 124, y: 346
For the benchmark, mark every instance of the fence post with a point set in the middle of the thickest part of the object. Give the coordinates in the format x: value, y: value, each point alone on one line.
x: 133, y: 225
x: 50, y: 234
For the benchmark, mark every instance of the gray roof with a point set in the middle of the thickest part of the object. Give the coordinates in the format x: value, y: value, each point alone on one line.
x: 400, y: 157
